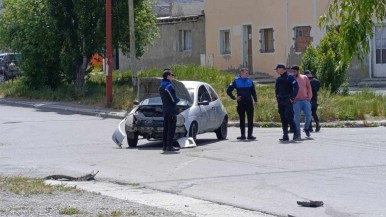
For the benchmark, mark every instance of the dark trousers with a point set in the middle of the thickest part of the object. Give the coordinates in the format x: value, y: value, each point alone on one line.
x: 241, y: 110
x: 314, y: 108
x: 170, y: 121
x: 286, y: 112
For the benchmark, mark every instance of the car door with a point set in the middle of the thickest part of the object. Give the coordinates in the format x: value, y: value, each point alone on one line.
x: 216, y: 110
x: 205, y: 110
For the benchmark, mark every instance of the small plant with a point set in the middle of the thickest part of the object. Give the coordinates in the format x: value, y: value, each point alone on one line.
x: 69, y: 211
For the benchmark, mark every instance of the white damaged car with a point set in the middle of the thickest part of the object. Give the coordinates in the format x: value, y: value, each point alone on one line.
x: 200, y: 111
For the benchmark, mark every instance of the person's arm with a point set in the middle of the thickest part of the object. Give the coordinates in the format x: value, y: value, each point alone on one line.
x: 295, y: 86
x: 253, y: 91
x: 230, y: 89
x: 309, y: 89
x: 172, y: 93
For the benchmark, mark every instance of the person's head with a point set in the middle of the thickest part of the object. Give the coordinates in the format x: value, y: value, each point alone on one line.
x: 280, y: 69
x: 168, y: 74
x: 307, y: 73
x: 295, y: 70
x: 244, y: 72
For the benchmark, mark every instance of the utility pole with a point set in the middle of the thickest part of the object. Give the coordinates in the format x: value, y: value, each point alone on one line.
x: 132, y: 45
x: 109, y: 56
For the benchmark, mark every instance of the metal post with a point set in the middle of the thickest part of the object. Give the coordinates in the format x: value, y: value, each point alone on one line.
x: 109, y: 56
x: 132, y: 44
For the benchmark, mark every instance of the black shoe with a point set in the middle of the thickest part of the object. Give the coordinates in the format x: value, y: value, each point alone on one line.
x: 285, y: 138
x: 241, y: 138
x: 308, y: 134
x: 251, y: 137
x: 171, y: 148
x: 311, y: 130
x: 317, y: 127
x: 297, y: 137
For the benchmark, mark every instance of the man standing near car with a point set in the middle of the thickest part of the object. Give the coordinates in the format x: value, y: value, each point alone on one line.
x: 286, y: 89
x: 169, y: 108
x: 302, y: 102
x: 245, y: 89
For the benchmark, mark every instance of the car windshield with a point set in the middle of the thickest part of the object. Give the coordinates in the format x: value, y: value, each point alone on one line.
x: 157, y: 101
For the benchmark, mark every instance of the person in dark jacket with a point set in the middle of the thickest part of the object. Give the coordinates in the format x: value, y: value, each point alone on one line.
x: 245, y: 89
x: 315, y: 86
x: 169, y: 108
x: 286, y: 89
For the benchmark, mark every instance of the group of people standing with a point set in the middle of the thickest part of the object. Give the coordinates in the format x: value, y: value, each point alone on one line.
x: 295, y: 93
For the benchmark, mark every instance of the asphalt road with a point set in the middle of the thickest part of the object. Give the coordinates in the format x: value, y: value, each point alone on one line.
x: 343, y: 167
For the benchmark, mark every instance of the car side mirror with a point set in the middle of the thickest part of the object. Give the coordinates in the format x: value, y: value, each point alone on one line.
x: 205, y: 102
x: 136, y: 102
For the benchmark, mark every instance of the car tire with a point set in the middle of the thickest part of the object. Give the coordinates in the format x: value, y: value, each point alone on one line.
x: 132, y: 142
x: 222, y: 131
x: 193, y: 130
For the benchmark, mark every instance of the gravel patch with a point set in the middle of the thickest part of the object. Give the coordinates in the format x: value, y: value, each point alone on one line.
x: 86, y: 204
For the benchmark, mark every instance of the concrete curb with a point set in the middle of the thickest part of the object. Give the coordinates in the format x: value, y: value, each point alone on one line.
x: 120, y: 114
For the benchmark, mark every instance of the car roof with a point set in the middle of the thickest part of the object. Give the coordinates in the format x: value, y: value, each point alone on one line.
x: 193, y: 84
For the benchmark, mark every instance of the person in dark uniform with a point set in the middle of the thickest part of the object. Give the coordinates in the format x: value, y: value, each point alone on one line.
x: 315, y: 86
x: 245, y: 89
x: 286, y: 89
x: 169, y: 108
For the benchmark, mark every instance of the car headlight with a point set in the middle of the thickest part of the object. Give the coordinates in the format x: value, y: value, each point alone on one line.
x: 180, y: 120
x: 130, y: 121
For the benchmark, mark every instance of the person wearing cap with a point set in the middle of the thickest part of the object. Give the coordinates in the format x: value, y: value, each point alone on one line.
x: 286, y: 89
x: 302, y: 102
x: 246, y: 95
x: 315, y: 86
x: 169, y: 108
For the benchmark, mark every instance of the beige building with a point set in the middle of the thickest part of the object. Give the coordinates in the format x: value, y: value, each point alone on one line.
x: 260, y: 33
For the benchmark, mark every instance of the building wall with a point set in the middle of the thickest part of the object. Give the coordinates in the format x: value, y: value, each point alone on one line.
x: 281, y: 15
x: 166, y: 49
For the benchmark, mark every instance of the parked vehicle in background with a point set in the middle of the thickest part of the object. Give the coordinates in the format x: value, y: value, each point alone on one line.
x: 9, y: 66
x: 200, y: 111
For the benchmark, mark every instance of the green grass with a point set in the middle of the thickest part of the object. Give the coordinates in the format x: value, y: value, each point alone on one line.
x: 29, y: 186
x: 364, y: 105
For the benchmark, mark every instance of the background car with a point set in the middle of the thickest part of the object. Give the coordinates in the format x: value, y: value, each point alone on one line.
x: 9, y: 66
x: 200, y: 111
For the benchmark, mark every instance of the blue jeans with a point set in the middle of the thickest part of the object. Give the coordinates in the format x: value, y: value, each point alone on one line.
x: 299, y: 106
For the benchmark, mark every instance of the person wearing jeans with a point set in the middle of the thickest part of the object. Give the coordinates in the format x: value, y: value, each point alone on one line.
x: 302, y: 102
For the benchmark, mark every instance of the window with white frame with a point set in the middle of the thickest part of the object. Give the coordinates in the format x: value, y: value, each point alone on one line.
x: 302, y: 38
x: 225, y: 42
x: 185, y: 40
x: 266, y: 40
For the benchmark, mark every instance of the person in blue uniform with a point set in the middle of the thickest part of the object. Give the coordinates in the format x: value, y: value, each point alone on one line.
x: 246, y: 98
x: 169, y: 108
x: 286, y: 89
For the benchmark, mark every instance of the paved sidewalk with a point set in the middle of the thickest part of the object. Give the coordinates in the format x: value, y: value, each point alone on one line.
x: 120, y: 114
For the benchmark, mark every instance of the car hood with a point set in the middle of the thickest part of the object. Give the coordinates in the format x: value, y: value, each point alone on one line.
x: 149, y: 87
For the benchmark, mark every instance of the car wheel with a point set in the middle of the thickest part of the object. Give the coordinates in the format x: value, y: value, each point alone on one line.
x: 193, y: 130
x: 132, y: 140
x: 222, y: 131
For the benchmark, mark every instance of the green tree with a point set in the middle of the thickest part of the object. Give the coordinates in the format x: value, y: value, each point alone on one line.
x: 356, y: 24
x: 58, y: 38
x: 329, y: 73
x: 310, y: 60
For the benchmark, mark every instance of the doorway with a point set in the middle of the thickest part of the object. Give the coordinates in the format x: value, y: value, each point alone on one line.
x: 247, y: 48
